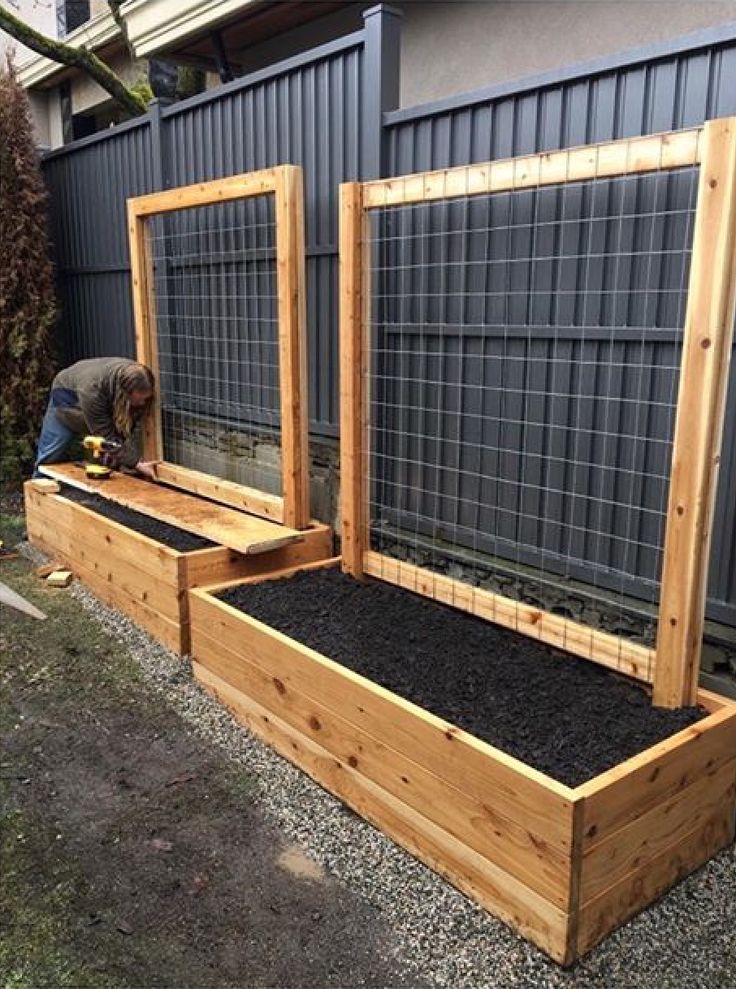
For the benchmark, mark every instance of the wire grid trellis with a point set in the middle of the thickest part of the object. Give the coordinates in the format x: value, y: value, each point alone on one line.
x: 524, y: 353
x: 215, y: 303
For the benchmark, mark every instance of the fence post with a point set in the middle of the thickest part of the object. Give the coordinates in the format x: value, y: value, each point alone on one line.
x: 159, y: 151
x: 382, y: 25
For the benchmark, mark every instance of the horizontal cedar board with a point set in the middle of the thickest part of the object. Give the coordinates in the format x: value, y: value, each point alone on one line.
x: 227, y: 526
x: 489, y: 885
x: 205, y: 193
x: 606, y: 649
x: 631, y: 155
x: 279, y: 574
x: 647, y: 883
x: 481, y: 826
x: 171, y: 633
x: 650, y: 834
x: 316, y: 543
x: 155, y: 592
x: 100, y: 533
x: 525, y: 795
x: 649, y: 779
x: 226, y: 492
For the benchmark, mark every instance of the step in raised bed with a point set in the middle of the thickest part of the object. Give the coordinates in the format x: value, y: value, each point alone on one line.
x: 142, y: 576
x: 563, y: 865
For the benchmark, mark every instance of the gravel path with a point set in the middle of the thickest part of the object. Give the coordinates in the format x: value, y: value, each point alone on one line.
x: 686, y: 940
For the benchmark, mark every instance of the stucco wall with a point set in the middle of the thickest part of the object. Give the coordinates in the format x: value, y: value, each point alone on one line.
x: 449, y: 48
x: 42, y: 16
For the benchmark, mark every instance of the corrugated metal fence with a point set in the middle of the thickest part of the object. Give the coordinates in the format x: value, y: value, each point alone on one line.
x: 330, y: 111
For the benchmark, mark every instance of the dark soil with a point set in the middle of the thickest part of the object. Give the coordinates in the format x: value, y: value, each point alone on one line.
x: 132, y: 854
x: 162, y: 532
x: 568, y: 718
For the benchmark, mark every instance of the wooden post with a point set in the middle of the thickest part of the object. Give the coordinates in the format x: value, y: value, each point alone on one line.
x: 699, y: 425
x: 351, y: 378
x: 290, y: 266
x: 144, y: 316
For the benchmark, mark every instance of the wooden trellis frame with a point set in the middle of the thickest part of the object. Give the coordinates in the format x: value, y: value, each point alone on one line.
x: 673, y: 665
x: 284, y: 182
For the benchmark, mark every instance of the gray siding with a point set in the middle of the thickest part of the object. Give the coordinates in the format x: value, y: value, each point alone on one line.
x: 88, y: 187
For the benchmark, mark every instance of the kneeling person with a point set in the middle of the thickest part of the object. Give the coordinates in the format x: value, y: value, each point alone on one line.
x: 105, y: 396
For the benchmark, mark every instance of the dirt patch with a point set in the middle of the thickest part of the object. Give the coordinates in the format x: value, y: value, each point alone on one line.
x: 567, y: 717
x: 162, y: 532
x: 134, y: 854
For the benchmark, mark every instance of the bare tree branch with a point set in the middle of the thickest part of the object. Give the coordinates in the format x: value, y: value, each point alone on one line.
x: 80, y: 58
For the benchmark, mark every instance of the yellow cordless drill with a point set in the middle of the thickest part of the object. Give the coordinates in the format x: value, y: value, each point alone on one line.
x: 100, y: 449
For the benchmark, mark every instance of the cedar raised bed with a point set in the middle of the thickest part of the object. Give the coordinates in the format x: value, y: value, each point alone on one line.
x: 141, y: 576
x: 562, y: 865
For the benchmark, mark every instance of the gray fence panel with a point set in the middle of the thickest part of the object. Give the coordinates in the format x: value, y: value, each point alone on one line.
x: 656, y: 90
x: 308, y: 115
x: 320, y: 110
x: 88, y: 187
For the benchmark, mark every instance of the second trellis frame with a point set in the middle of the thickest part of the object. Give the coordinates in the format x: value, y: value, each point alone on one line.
x: 673, y: 665
x: 284, y: 184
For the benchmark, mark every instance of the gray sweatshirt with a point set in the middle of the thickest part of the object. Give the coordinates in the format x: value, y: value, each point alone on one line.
x: 83, y: 397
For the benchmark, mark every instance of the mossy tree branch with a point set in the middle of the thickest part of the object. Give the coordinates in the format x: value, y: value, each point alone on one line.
x: 79, y: 58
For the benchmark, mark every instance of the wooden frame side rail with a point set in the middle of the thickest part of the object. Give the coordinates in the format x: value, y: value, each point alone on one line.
x: 284, y: 182
x: 708, y: 335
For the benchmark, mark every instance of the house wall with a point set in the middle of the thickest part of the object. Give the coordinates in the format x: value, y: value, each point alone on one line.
x: 42, y: 16
x: 450, y: 48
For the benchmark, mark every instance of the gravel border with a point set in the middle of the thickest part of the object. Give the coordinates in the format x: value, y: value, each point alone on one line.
x: 685, y: 940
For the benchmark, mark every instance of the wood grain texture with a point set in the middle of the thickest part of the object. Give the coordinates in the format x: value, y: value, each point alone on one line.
x: 562, y: 866
x: 707, y: 346
x: 244, y: 533
x: 499, y: 892
x: 626, y: 157
x: 472, y: 818
x: 102, y: 535
x: 610, y: 651
x: 649, y: 834
x: 292, y: 315
x: 641, y: 887
x: 651, y: 778
x: 284, y: 182
x: 525, y: 795
x: 204, y: 567
x: 144, y: 321
x: 351, y: 378
x: 143, y: 578
x: 205, y: 193
x: 239, y: 496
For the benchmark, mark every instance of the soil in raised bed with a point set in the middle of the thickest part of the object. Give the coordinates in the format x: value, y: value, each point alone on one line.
x: 162, y: 532
x: 568, y: 718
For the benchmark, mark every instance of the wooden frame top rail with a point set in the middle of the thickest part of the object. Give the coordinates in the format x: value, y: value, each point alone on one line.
x: 630, y: 156
x: 207, y: 193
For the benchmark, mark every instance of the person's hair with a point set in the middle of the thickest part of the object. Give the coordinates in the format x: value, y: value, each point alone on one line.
x: 133, y: 377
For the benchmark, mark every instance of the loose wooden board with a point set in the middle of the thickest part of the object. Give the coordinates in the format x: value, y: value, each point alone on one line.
x: 226, y: 526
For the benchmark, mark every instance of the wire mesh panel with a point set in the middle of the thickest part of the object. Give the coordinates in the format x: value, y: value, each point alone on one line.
x: 218, y: 275
x: 216, y: 311
x: 524, y: 351
x: 529, y: 374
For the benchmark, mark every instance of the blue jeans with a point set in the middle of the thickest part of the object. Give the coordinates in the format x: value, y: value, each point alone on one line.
x: 54, y: 441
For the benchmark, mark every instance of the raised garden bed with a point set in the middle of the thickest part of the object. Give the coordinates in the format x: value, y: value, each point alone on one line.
x: 142, y: 566
x: 562, y: 864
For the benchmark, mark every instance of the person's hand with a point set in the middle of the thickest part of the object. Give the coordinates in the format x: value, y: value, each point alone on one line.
x: 147, y: 468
